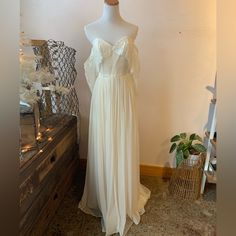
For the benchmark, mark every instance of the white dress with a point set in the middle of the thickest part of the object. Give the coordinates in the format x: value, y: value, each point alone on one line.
x: 112, y: 187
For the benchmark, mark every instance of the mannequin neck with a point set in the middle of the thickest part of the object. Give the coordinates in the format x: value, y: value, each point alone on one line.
x: 111, y: 13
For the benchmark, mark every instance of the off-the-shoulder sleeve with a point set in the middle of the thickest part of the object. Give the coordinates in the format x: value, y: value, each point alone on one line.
x: 91, y: 67
x: 133, y: 60
x: 135, y: 64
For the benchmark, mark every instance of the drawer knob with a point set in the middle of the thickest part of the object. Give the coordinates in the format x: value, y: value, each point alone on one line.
x: 55, y: 196
x: 53, y: 159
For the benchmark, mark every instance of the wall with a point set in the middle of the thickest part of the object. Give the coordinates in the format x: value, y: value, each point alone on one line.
x: 176, y: 41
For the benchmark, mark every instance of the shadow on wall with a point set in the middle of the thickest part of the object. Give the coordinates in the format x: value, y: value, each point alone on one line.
x: 164, y: 153
x: 212, y: 89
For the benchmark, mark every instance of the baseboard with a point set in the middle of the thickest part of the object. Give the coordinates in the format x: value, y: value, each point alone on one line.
x: 164, y: 172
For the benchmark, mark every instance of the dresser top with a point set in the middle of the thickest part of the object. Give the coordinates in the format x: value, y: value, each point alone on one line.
x: 53, y: 129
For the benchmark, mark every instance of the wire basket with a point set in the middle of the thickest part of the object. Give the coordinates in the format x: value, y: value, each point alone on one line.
x: 60, y: 60
x: 185, y: 183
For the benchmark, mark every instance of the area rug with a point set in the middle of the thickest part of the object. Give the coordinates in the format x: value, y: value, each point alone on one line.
x: 164, y: 216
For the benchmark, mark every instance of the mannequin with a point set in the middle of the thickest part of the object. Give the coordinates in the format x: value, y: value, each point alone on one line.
x: 111, y: 26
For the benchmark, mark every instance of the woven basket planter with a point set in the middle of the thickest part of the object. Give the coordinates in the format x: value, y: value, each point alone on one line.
x: 185, y: 182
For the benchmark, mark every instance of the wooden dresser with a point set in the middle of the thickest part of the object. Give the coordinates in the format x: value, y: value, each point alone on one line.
x: 47, y: 173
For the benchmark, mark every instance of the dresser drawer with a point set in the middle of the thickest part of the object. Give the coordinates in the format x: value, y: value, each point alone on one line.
x: 54, y: 200
x: 44, y: 168
x: 30, y: 184
x: 48, y: 191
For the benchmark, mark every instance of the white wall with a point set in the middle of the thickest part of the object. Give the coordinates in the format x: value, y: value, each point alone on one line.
x: 177, y: 51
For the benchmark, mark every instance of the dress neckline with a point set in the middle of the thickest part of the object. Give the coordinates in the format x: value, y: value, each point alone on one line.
x: 116, y: 42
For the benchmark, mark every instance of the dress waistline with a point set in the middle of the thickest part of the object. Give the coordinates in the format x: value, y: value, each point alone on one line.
x: 103, y: 75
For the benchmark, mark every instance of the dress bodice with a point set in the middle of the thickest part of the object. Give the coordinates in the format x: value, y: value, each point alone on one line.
x: 111, y: 60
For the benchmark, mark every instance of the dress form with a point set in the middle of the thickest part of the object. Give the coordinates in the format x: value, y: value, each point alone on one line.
x: 111, y: 26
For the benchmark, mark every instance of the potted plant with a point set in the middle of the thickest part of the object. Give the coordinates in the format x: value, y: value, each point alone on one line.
x: 187, y: 146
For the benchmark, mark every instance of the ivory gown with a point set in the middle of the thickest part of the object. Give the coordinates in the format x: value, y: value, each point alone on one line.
x: 112, y: 186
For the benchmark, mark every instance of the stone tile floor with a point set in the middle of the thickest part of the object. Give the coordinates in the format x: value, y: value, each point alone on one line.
x: 164, y: 216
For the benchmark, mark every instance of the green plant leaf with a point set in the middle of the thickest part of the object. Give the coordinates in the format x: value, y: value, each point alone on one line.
x: 183, y: 135
x: 181, y: 146
x: 175, y: 138
x: 179, y: 157
x: 173, y: 147
x: 192, y: 136
x: 197, y: 137
x: 186, y: 154
x: 199, y: 147
x: 188, y: 145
